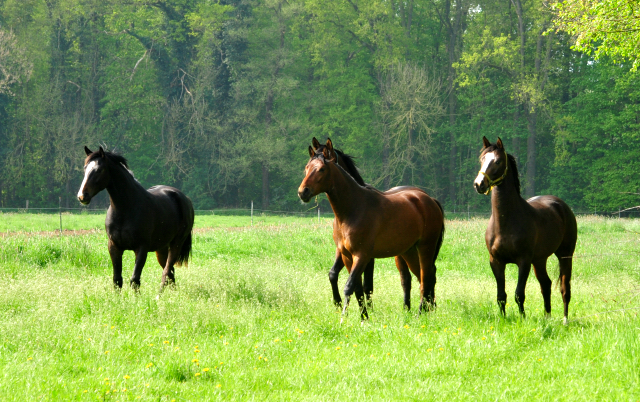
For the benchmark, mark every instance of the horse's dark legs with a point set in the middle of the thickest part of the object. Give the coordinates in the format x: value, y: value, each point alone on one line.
x: 167, y: 273
x: 427, y: 278
x: 498, y: 273
x: 368, y: 282
x: 405, y: 280
x: 540, y: 269
x: 162, y: 256
x: 333, y: 278
x: 565, y: 283
x: 524, y: 268
x: 354, y: 284
x: 141, y: 259
x: 116, y: 260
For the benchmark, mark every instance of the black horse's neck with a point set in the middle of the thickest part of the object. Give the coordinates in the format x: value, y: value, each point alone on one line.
x: 345, y: 193
x: 124, y: 190
x: 505, y: 197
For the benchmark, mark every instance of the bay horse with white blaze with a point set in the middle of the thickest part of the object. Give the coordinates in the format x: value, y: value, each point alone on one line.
x: 407, y: 224
x: 524, y: 232
x: 159, y: 219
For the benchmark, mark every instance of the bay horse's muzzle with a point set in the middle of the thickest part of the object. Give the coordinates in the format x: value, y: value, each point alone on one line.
x: 481, y: 188
x: 305, y: 194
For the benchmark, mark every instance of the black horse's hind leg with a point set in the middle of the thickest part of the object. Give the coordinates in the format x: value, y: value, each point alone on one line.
x: 167, y: 273
x: 141, y: 259
x: 540, y: 269
x: 116, y: 260
x: 405, y: 280
x: 498, y: 273
x: 333, y: 278
x: 368, y: 282
x: 566, y: 263
x: 524, y: 268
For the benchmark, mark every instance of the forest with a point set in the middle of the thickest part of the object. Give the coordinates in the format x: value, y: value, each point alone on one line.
x: 222, y: 98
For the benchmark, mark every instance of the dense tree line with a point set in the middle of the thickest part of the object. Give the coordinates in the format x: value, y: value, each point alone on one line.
x: 222, y: 98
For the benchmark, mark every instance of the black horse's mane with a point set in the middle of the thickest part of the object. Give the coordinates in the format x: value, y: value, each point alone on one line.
x: 348, y: 162
x: 513, y: 165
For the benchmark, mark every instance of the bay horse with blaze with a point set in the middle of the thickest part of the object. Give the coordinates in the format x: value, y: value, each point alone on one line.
x: 407, y: 224
x: 524, y: 232
x: 159, y: 219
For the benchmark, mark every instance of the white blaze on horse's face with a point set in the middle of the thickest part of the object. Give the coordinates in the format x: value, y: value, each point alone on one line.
x: 91, y: 166
x: 486, y: 161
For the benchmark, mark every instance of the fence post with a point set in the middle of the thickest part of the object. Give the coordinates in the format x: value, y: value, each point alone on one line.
x: 318, y: 213
x: 468, y: 214
x: 27, y: 205
x: 619, y: 213
x: 251, y: 212
x: 60, y: 213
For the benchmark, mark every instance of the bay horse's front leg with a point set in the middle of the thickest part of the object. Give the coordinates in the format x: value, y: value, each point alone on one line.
x: 354, y: 285
x: 116, y: 260
x: 141, y: 259
x: 333, y: 278
x: 524, y: 268
x: 498, y: 272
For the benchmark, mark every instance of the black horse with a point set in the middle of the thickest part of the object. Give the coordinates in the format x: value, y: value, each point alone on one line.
x: 159, y: 219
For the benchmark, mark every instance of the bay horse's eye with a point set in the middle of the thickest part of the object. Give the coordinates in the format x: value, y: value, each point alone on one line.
x: 321, y: 170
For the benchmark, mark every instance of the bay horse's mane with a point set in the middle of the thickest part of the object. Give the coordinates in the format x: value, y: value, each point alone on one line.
x: 347, y: 160
x: 513, y: 165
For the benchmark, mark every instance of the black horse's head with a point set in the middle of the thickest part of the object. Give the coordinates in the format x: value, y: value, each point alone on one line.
x: 96, y: 173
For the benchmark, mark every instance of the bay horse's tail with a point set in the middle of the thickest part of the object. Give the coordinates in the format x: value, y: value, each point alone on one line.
x: 185, y: 252
x: 435, y: 256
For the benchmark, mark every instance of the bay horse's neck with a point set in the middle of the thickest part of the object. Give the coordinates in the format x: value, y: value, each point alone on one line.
x: 506, y: 200
x: 345, y: 194
x: 124, y: 190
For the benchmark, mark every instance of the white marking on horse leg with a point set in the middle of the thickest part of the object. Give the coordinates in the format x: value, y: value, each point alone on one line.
x: 488, y: 158
x: 87, y: 171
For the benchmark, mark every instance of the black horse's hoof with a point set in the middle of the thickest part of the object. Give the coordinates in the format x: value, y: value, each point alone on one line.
x: 135, y: 285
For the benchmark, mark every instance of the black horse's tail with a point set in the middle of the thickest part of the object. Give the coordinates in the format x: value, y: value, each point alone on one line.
x: 185, y: 252
x: 441, y: 232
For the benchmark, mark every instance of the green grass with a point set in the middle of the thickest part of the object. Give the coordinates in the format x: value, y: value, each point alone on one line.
x: 254, y: 308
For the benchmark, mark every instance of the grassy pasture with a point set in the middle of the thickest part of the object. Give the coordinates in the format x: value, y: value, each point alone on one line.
x: 251, y: 319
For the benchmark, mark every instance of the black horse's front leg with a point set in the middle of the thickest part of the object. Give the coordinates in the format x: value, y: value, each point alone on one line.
x: 116, y: 260
x: 141, y: 259
x: 368, y: 282
x: 354, y: 285
x: 333, y: 278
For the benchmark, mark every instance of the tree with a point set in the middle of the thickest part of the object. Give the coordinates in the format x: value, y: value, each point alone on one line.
x: 602, y: 28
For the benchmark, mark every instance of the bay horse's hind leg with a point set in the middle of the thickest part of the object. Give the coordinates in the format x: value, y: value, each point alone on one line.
x: 524, y: 268
x: 162, y: 256
x: 167, y: 272
x: 405, y: 280
x: 427, y: 277
x: 540, y: 269
x: 333, y: 278
x: 566, y: 263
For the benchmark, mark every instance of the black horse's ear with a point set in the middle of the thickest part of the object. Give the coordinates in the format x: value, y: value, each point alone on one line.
x: 485, y: 142
x: 316, y: 143
x: 499, y: 143
x: 311, y: 152
x: 101, y: 151
x: 87, y: 151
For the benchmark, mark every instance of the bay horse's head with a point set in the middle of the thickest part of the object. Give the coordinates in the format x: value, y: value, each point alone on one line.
x: 317, y: 173
x: 96, y: 173
x: 494, y: 165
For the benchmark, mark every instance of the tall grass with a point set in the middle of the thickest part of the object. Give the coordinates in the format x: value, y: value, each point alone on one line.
x: 251, y: 319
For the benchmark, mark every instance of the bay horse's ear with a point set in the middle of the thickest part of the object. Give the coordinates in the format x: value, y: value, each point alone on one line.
x: 329, y: 152
x: 316, y: 143
x: 87, y: 151
x: 499, y: 143
x: 485, y: 142
x: 101, y: 151
x: 311, y: 152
